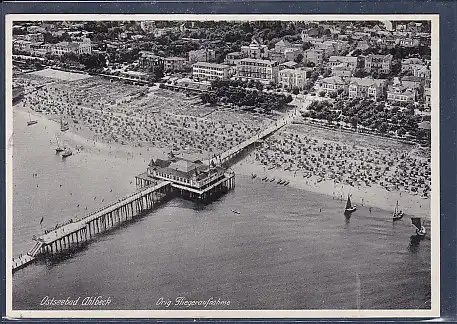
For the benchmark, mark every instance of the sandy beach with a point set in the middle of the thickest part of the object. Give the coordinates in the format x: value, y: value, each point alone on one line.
x: 139, y: 123
x: 334, y: 179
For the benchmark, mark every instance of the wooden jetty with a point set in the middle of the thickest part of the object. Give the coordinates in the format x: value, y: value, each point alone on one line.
x: 226, y: 157
x: 76, y: 233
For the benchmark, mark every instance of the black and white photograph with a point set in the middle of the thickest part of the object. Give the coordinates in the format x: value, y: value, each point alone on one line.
x: 209, y: 165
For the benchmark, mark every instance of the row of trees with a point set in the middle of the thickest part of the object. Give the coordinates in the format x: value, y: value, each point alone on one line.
x: 370, y: 114
x: 398, y: 52
x: 245, y: 94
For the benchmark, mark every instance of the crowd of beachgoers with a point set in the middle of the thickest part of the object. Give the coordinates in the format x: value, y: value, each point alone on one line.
x: 113, y: 112
x: 398, y: 167
x: 138, y: 116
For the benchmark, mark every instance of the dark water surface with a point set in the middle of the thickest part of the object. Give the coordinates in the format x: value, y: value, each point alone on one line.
x: 280, y: 252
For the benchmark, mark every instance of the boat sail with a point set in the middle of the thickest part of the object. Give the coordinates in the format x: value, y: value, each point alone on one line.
x: 31, y: 122
x: 349, y: 207
x: 63, y: 125
x: 59, y: 148
x: 398, y: 214
x: 420, y: 229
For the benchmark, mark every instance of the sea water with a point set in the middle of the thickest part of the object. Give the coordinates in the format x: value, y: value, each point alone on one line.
x: 284, y: 249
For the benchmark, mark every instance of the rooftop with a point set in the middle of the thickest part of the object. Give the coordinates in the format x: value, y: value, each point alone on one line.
x: 211, y: 65
x: 367, y: 82
x: 333, y: 80
x: 251, y: 60
x: 345, y: 59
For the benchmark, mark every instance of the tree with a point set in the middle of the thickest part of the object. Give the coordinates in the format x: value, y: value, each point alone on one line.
x: 299, y: 58
x: 306, y: 46
x: 310, y: 64
x: 157, y: 73
x: 333, y: 94
x: 295, y: 90
x: 322, y: 93
x: 207, y: 97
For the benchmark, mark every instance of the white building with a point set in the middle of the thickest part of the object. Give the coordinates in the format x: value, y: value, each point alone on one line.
x: 347, y: 61
x: 255, y: 50
x: 400, y: 93
x: 366, y: 88
x: 210, y: 71
x: 292, y: 78
x: 82, y: 47
x: 256, y: 69
x: 332, y: 84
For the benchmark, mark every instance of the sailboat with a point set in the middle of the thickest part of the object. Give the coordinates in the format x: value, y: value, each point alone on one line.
x: 349, y: 207
x: 63, y: 125
x: 31, y: 122
x: 420, y: 229
x: 398, y: 214
x: 58, y: 148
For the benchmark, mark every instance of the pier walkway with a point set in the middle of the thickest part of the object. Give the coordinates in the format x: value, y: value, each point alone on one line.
x: 231, y: 153
x: 82, y: 230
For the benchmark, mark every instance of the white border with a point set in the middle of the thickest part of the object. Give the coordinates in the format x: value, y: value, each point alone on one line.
x: 435, y: 192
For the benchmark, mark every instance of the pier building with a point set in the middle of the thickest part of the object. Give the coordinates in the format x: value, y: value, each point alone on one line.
x: 191, y: 179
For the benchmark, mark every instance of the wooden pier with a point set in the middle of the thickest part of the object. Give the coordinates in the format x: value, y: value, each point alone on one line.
x: 79, y: 232
x: 226, y: 157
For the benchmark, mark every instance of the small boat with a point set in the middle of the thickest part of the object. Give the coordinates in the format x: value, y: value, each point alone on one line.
x: 59, y: 148
x: 235, y: 211
x: 280, y: 181
x: 286, y: 183
x: 66, y: 153
x: 349, y: 207
x: 398, y: 214
x: 420, y: 229
x: 264, y: 178
x: 253, y: 176
x: 273, y: 179
x: 31, y: 121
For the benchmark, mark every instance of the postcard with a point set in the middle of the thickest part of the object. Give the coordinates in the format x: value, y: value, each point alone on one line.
x: 222, y: 166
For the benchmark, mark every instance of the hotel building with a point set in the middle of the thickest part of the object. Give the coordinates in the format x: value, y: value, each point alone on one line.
x: 174, y: 64
x: 210, y: 71
x: 366, y: 88
x: 294, y: 78
x: 380, y: 63
x: 150, y: 61
x: 256, y: 69
x: 332, y: 84
x: 400, y: 93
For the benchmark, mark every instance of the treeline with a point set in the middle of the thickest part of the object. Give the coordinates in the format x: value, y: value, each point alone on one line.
x: 245, y: 94
x: 400, y: 119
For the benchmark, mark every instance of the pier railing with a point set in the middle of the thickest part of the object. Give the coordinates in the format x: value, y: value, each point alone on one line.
x: 76, y: 233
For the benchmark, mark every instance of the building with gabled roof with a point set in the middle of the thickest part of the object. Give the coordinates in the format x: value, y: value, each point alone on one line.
x: 255, y: 50
x: 349, y: 61
x: 400, y: 93
x: 282, y: 45
x: 380, y: 63
x: 333, y: 83
x: 366, y: 88
x: 294, y: 78
x: 185, y: 172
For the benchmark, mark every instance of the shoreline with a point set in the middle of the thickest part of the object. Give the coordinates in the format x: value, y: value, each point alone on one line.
x: 375, y: 196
